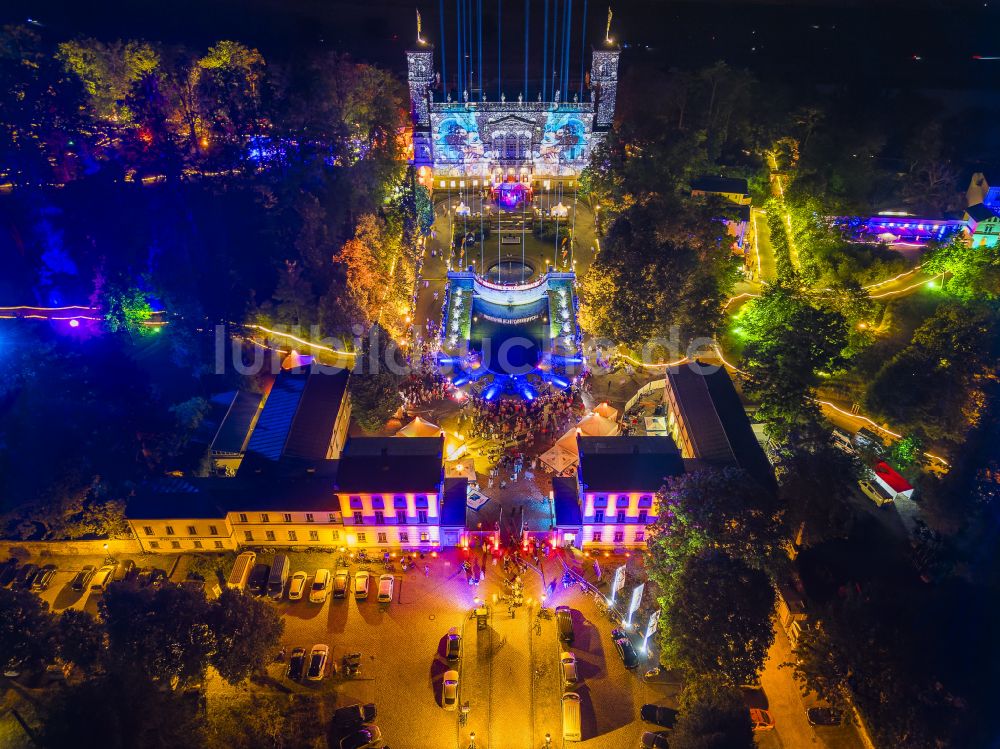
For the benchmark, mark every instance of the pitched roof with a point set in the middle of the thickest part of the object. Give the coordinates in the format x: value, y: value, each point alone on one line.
x: 721, y: 184
x: 298, y: 417
x: 627, y: 463
x: 168, y: 497
x: 717, y: 423
x: 980, y: 212
x: 388, y: 464
x: 896, y: 482
x: 234, y: 431
x: 454, y: 497
x: 566, y: 499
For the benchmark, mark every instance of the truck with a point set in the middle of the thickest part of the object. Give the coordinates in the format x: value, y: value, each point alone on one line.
x: 240, y: 573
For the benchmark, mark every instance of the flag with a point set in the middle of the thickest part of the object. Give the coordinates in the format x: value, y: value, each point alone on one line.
x: 420, y: 26
x: 607, y: 34
x: 654, y: 622
x: 633, y: 605
x: 618, y: 581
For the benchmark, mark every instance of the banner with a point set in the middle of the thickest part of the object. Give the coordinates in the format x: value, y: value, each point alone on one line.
x: 618, y: 582
x: 633, y: 605
x: 597, y: 569
x: 654, y: 622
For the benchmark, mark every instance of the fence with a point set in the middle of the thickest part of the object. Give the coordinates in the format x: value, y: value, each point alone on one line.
x: 649, y: 387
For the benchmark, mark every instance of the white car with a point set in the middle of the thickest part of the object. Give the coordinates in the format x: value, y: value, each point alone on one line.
x: 449, y: 691
x: 316, y: 668
x: 361, y: 581
x: 99, y: 582
x: 320, y: 590
x: 297, y: 586
x: 385, y: 583
x: 567, y: 669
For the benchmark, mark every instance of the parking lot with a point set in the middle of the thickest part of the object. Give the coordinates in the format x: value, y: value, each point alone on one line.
x: 509, y: 672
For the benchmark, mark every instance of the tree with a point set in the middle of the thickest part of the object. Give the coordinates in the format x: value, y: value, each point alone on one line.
x: 25, y: 630
x: 715, y: 509
x: 246, y: 631
x: 816, y: 482
x: 716, y: 618
x: 375, y: 381
x: 165, y: 633
x: 228, y: 85
x: 108, y: 73
x: 712, y: 716
x: 968, y: 272
x: 820, y: 668
x: 123, y: 306
x: 80, y: 639
x: 789, y: 340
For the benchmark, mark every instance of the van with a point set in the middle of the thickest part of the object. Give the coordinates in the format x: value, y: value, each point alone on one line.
x: 385, y: 589
x: 240, y: 573
x: 571, y: 716
x: 564, y: 624
x: 102, y: 579
x: 279, y: 576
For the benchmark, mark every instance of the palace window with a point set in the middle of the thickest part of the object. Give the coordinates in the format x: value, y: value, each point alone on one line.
x: 192, y: 531
x: 170, y: 530
x: 309, y: 517
x: 248, y: 535
x: 643, y: 517
x: 154, y: 544
x: 292, y: 536
x: 335, y: 535
x: 148, y: 530
x: 314, y: 535
x: 264, y: 518
x: 288, y: 517
x: 597, y: 537
x: 269, y: 535
x: 401, y: 517
x: 379, y: 518
x: 425, y: 537
x: 421, y: 516
x: 218, y: 544
x: 598, y: 516
x: 175, y: 544
x: 213, y: 530
x: 404, y: 537
x: 362, y: 538
x: 197, y: 544
x: 640, y: 536
x: 620, y: 517
x: 331, y: 517
x: 243, y: 517
x: 619, y: 536
x: 383, y: 538
x: 358, y: 519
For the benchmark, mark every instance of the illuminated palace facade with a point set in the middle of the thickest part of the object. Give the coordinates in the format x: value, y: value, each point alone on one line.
x: 482, y: 143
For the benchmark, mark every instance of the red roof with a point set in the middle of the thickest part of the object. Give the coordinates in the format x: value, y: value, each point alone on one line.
x: 886, y: 472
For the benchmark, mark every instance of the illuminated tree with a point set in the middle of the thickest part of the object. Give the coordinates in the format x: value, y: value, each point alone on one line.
x: 247, y: 630
x: 108, y: 72
x: 712, y: 716
x: 123, y: 307
x: 228, y: 83
x: 970, y: 273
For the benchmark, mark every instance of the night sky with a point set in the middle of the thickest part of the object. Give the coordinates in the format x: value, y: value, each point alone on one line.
x: 876, y: 43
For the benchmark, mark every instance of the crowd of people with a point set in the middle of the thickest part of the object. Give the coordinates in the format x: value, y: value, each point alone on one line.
x: 547, y: 415
x: 424, y: 386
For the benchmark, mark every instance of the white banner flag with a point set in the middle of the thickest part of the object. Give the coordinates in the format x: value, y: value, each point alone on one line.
x: 654, y: 622
x: 633, y: 605
x: 618, y: 582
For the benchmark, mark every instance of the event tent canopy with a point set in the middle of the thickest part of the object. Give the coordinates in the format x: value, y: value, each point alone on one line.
x: 419, y: 428
x: 608, y: 412
x: 559, y: 459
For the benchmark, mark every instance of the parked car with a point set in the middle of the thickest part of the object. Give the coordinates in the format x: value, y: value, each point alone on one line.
x: 297, y: 586
x: 361, y: 581
x: 341, y: 582
x: 453, y: 645
x: 296, y: 663
x: 43, y: 577
x: 874, y: 492
x: 257, y: 584
x: 564, y: 624
x: 385, y: 583
x: 656, y: 740
x: 761, y: 719
x: 151, y: 577
x: 320, y: 590
x: 25, y: 576
x: 82, y: 578
x: 824, y: 716
x: 449, y: 691
x: 567, y: 668
x: 364, y: 737
x: 352, y: 715
x: 626, y: 651
x: 102, y: 578
x: 124, y: 570
x: 8, y: 571
x: 317, y: 662
x: 658, y: 714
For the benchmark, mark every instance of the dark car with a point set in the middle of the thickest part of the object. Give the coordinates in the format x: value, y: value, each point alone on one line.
x: 658, y: 714
x: 296, y: 663
x: 363, y: 737
x: 81, y: 578
x: 657, y: 740
x: 453, y: 645
x: 257, y: 584
x: 43, y: 577
x: 25, y: 576
x: 8, y: 571
x: 151, y: 577
x: 353, y: 715
x: 564, y: 624
x: 824, y: 716
x: 626, y: 651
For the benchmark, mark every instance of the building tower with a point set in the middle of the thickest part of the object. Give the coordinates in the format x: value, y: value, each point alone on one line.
x: 421, y: 78
x: 604, y: 84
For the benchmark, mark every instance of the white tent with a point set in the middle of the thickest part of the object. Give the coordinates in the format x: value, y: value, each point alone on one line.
x: 460, y: 469
x: 419, y: 428
x: 595, y: 425
x: 559, y: 459
x: 608, y: 412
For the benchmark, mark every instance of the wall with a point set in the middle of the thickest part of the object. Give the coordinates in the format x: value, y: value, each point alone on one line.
x: 81, y: 548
